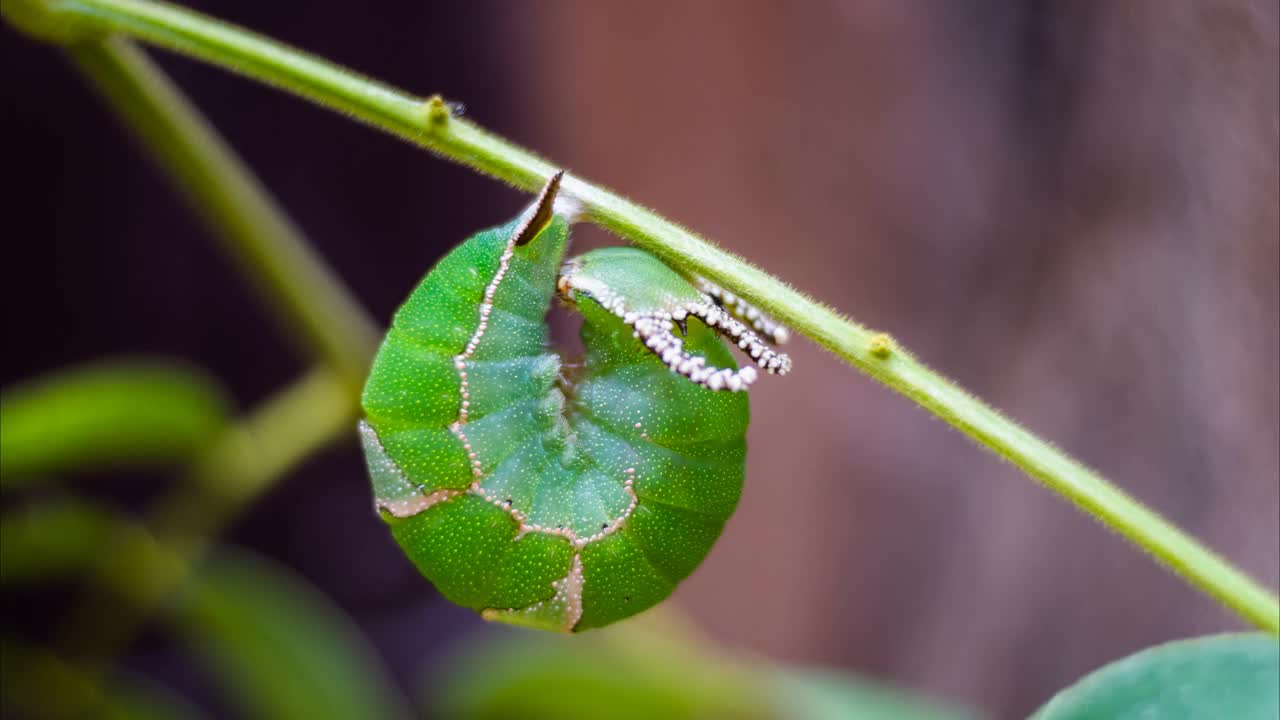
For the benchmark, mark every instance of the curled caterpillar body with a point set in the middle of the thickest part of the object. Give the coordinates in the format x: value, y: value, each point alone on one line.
x: 557, y: 499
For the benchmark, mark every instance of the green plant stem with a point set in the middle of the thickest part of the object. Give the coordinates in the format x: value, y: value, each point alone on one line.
x: 252, y: 228
x: 428, y: 123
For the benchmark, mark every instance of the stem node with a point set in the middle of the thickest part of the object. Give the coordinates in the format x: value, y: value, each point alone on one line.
x: 438, y: 112
x: 881, y: 346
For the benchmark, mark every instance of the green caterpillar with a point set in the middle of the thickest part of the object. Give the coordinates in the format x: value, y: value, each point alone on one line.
x: 554, y: 495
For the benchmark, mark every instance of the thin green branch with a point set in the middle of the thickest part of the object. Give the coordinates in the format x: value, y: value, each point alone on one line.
x: 427, y: 122
x: 252, y: 228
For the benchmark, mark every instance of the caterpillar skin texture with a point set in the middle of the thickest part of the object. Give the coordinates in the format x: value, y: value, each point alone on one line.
x: 557, y: 498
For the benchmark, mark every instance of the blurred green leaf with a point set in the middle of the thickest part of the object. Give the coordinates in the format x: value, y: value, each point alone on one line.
x: 637, y: 670
x: 648, y: 667
x: 52, y: 539
x: 1217, y: 676
x: 111, y: 413
x: 820, y: 694
x: 36, y: 683
x: 281, y: 649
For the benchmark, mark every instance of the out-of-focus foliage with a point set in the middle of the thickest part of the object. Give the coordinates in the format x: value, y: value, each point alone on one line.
x: 52, y: 539
x: 109, y: 414
x: 647, y: 667
x: 818, y: 694
x: 35, y: 682
x: 1218, y: 676
x: 280, y: 648
x: 639, y: 669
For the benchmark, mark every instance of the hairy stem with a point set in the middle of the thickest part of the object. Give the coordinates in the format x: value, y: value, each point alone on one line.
x: 428, y: 123
x: 257, y: 234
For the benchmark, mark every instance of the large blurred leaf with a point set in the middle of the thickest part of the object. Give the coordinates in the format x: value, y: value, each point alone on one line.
x: 1219, y: 676
x: 36, y: 683
x: 52, y: 539
x: 647, y: 667
x: 281, y: 649
x: 817, y: 694
x: 106, y: 414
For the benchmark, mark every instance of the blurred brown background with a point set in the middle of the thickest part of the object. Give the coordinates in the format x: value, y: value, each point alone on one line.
x: 1070, y: 208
